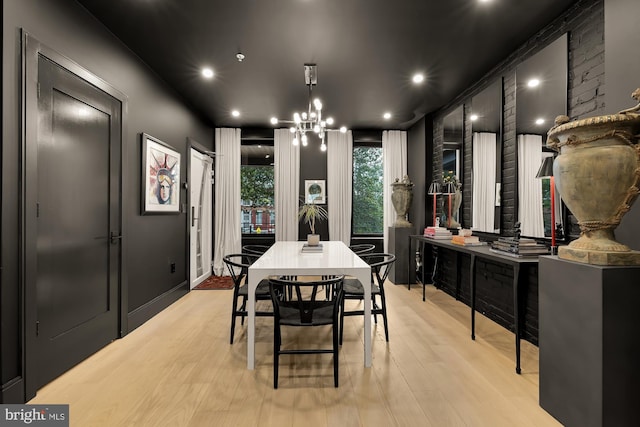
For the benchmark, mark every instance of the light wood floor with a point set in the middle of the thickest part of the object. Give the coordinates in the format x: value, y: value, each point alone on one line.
x: 178, y: 369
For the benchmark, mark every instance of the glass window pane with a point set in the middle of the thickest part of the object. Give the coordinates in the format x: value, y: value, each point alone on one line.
x: 367, y: 190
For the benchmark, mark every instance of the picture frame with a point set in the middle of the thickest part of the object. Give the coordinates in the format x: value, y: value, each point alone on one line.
x: 160, y: 177
x: 315, y: 191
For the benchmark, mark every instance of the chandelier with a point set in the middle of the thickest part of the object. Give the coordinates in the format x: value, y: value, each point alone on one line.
x: 310, y: 120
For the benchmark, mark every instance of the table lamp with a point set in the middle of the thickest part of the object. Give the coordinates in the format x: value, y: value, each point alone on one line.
x: 546, y: 171
x: 434, y: 190
x: 450, y: 190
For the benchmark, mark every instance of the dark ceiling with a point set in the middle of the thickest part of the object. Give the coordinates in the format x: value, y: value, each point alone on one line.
x: 366, y: 52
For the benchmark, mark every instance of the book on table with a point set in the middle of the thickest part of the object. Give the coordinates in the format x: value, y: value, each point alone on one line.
x: 466, y: 240
x: 312, y: 248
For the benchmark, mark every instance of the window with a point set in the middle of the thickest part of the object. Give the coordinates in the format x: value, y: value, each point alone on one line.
x: 257, y: 187
x: 367, y: 189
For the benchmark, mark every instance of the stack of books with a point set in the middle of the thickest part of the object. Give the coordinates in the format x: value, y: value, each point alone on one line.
x: 519, y: 247
x: 467, y: 240
x: 312, y: 249
x: 437, y: 233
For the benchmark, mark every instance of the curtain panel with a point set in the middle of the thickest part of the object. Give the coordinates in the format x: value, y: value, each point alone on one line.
x: 394, y: 165
x: 340, y: 184
x: 529, y: 187
x: 484, y: 179
x: 287, y: 184
x: 228, y: 237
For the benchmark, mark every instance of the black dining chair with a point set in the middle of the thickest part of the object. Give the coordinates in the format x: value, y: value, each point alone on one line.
x: 305, y: 309
x: 380, y: 264
x: 362, y: 248
x: 238, y: 266
x: 255, y: 249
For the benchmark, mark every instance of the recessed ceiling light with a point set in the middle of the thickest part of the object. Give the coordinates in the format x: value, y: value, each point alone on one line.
x: 207, y: 73
x: 418, y: 78
x: 235, y: 113
x: 343, y: 129
x: 274, y: 121
x: 540, y: 121
x: 474, y: 117
x: 533, y: 83
x: 386, y: 115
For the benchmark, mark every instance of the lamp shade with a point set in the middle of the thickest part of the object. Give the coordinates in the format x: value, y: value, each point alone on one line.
x: 449, y: 188
x: 546, y: 168
x: 434, y: 188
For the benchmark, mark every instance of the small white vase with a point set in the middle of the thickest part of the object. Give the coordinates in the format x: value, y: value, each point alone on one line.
x: 313, y: 239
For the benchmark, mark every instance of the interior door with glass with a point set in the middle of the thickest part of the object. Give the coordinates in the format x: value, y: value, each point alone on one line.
x: 200, y: 217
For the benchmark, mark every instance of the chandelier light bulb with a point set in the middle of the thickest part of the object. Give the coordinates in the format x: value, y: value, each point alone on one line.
x: 317, y: 104
x: 274, y: 121
x: 296, y: 117
x: 330, y: 121
x: 312, y: 114
x: 292, y: 129
x: 343, y: 129
x: 316, y: 128
x: 304, y: 116
x: 304, y: 140
x: 323, y: 147
x: 295, y: 141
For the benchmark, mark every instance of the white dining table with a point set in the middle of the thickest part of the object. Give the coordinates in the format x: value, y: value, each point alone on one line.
x: 287, y: 258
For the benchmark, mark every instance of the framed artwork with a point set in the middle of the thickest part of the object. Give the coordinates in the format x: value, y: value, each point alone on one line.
x: 314, y: 191
x: 160, y: 177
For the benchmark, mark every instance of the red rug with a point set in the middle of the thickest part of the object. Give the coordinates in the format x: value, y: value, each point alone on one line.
x: 216, y: 282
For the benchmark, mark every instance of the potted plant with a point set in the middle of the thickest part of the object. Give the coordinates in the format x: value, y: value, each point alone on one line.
x: 309, y: 213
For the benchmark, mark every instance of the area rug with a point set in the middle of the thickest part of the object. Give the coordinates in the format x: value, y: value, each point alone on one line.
x: 216, y: 282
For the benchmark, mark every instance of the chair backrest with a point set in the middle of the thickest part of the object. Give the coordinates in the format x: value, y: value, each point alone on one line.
x: 380, y: 264
x: 363, y: 248
x: 238, y: 265
x: 255, y: 249
x: 304, y: 308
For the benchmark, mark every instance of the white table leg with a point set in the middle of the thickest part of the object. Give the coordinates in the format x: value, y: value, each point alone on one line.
x: 251, y: 321
x: 365, y: 278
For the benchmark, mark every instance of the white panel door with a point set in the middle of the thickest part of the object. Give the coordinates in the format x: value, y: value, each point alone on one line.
x: 200, y: 217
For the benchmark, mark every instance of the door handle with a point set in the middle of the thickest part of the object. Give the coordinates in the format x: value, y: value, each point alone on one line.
x: 113, y: 237
x: 193, y: 216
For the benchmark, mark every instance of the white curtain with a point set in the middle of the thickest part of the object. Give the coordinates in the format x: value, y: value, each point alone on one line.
x: 228, y: 237
x: 394, y: 166
x: 339, y: 184
x: 484, y: 181
x: 530, y: 187
x: 287, y: 185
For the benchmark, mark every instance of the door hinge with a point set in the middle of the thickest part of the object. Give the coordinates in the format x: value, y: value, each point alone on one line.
x: 37, y: 327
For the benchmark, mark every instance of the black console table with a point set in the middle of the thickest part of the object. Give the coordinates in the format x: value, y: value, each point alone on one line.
x: 484, y: 252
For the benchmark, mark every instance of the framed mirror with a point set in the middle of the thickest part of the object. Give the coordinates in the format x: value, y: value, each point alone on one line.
x: 486, y: 126
x: 453, y: 129
x: 541, y: 95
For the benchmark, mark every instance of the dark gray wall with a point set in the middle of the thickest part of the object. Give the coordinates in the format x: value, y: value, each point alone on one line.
x: 417, y: 163
x: 623, y: 77
x: 150, y: 243
x: 313, y: 165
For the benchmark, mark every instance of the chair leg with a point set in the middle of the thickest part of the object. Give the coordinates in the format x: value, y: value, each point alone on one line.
x: 384, y: 319
x: 243, y: 308
x: 335, y: 355
x: 276, y: 354
x: 341, y: 320
x: 233, y: 324
x: 373, y: 306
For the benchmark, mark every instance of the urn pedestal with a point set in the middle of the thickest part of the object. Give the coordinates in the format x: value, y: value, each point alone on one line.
x: 597, y: 174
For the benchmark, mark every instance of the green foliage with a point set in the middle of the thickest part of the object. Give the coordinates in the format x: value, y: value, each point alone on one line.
x: 367, y: 190
x: 309, y: 213
x: 257, y: 185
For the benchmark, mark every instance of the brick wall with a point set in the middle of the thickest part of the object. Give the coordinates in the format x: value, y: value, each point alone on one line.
x: 584, y: 22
